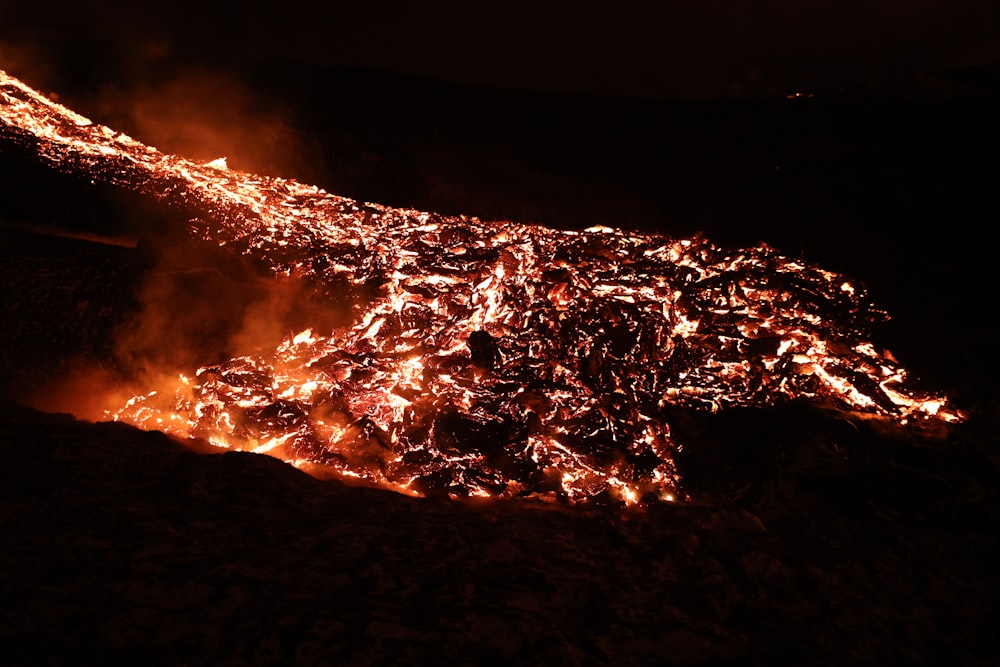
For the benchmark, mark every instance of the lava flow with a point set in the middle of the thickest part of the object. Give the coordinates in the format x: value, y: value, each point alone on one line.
x: 485, y: 358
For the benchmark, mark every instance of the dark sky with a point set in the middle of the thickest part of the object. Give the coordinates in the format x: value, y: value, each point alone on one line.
x: 700, y: 48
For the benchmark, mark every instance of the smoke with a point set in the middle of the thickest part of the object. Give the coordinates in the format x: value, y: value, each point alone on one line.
x: 28, y: 62
x: 201, y: 304
x: 197, y: 305
x: 204, y: 114
x: 203, y: 106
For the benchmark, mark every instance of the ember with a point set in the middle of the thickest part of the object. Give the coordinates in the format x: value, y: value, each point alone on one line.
x: 486, y: 358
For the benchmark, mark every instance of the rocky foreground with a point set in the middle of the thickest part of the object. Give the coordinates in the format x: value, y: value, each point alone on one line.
x: 124, y: 545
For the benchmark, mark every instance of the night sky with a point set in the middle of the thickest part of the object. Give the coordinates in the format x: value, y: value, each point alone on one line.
x: 665, y: 50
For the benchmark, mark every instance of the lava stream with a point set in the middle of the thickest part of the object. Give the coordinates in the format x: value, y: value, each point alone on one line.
x: 485, y: 358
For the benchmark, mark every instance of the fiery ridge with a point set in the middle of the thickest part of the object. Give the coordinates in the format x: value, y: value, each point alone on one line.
x: 486, y: 358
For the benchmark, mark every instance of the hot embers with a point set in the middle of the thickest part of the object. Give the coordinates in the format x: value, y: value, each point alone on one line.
x: 486, y: 358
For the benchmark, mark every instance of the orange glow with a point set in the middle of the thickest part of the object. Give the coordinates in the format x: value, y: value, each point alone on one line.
x: 486, y: 358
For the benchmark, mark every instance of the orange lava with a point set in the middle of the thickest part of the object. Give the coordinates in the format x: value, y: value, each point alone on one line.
x: 485, y: 358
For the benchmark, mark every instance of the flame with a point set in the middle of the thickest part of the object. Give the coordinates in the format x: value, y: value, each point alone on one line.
x: 486, y: 358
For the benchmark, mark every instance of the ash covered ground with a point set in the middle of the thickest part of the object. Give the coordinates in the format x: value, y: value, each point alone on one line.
x: 808, y: 537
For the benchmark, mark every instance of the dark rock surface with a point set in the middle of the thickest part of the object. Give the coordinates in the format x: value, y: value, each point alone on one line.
x: 124, y: 545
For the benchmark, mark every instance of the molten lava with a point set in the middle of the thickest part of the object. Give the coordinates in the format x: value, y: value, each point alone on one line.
x: 485, y: 358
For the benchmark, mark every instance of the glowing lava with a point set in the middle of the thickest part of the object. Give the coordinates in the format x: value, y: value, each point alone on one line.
x: 485, y: 358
